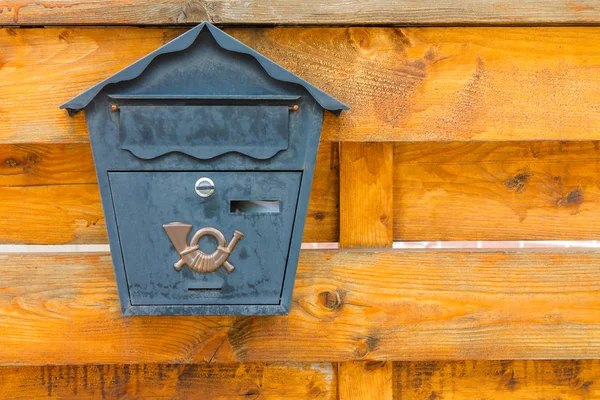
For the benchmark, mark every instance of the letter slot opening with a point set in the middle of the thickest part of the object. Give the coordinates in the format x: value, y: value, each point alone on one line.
x: 255, y: 206
x: 205, y: 286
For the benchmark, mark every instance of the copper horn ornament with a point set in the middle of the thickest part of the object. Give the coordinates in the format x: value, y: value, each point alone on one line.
x: 195, y: 258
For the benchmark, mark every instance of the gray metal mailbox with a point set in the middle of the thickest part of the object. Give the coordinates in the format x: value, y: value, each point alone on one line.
x: 205, y: 152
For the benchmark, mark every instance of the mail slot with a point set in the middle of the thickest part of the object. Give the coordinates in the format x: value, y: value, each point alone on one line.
x: 204, y: 152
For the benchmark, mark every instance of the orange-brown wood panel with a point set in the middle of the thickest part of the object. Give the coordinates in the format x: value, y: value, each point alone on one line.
x: 205, y: 381
x: 413, y: 84
x: 443, y: 191
x: 50, y: 195
x: 497, y: 191
x: 498, y: 380
x: 54, y: 214
x: 43, y: 164
x: 347, y: 305
x: 323, y: 218
x: 311, y: 12
x: 366, y: 191
x: 366, y: 380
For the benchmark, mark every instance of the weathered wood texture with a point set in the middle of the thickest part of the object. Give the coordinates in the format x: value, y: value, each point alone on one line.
x: 366, y: 380
x: 311, y: 12
x: 497, y: 191
x: 50, y: 195
x: 414, y: 84
x: 366, y: 191
x: 494, y: 380
x: 498, y: 380
x: 213, y: 381
x: 347, y: 305
x: 443, y: 191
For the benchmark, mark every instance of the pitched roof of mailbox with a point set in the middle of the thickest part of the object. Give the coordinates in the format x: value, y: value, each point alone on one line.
x: 184, y: 41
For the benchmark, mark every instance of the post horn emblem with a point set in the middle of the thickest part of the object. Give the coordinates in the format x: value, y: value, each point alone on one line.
x: 195, y: 258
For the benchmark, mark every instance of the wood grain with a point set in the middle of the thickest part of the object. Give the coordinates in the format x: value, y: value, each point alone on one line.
x: 206, y: 382
x: 497, y: 191
x: 505, y: 191
x: 523, y: 380
x: 498, y: 380
x: 366, y: 191
x: 413, y: 84
x: 347, y: 305
x: 366, y: 380
x: 311, y: 12
x: 55, y: 214
x: 323, y: 217
x: 42, y: 164
x: 366, y: 217
x: 50, y: 195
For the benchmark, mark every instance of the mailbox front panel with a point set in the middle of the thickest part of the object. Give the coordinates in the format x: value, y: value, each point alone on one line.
x: 251, y: 213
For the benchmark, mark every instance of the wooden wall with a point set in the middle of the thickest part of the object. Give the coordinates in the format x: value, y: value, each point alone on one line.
x: 458, y: 131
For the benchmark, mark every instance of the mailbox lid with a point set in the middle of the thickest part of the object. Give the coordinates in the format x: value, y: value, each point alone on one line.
x: 257, y: 129
x: 261, y: 205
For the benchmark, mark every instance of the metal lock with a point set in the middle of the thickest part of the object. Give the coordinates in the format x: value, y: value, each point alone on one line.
x: 204, y: 187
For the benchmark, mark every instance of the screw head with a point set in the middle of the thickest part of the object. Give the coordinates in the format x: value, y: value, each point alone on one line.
x: 204, y: 187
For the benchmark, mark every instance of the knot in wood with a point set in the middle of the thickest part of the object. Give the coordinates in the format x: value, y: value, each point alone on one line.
x: 331, y: 300
x: 11, y: 163
x: 574, y: 198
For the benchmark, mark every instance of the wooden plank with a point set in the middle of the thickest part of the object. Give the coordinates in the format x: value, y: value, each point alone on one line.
x: 54, y: 214
x: 310, y: 12
x: 414, y: 84
x: 323, y: 217
x: 506, y: 191
x: 39, y: 164
x: 50, y: 195
x: 366, y: 380
x: 212, y: 381
x: 347, y: 305
x: 366, y: 191
x: 498, y: 380
x: 366, y: 199
x: 497, y: 191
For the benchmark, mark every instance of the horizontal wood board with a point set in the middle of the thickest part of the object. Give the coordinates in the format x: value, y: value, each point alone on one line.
x: 50, y: 195
x: 347, y: 305
x: 467, y: 380
x: 206, y: 382
x: 441, y: 191
x: 402, y: 84
x: 311, y: 12
x: 497, y: 380
x: 497, y: 191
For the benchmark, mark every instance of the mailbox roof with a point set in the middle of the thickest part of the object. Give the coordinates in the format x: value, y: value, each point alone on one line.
x: 184, y: 41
